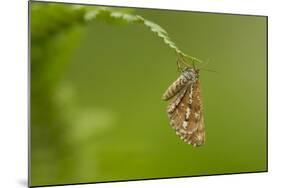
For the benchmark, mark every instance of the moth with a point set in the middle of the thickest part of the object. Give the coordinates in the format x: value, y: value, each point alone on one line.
x: 185, y: 108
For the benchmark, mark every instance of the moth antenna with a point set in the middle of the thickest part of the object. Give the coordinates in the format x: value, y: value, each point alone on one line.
x: 204, y: 65
x: 207, y: 62
x: 209, y: 70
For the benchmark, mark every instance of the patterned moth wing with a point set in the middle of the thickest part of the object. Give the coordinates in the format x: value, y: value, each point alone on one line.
x: 186, y: 78
x: 185, y: 109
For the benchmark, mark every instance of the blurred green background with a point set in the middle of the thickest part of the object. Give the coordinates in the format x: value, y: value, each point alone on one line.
x: 96, y: 109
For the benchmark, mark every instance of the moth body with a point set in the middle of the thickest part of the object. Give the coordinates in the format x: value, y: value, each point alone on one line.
x: 185, y: 108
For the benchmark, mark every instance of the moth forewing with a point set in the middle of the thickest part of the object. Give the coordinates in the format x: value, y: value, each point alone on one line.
x: 174, y: 88
x: 185, y: 110
x: 186, y: 78
x: 197, y: 132
x: 176, y: 100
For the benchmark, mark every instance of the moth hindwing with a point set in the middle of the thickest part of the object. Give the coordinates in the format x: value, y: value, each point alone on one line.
x: 185, y: 108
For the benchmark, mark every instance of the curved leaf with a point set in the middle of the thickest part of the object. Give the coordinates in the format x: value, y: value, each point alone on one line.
x: 130, y: 18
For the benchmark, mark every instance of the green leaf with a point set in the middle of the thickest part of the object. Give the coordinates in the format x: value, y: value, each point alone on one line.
x: 70, y: 15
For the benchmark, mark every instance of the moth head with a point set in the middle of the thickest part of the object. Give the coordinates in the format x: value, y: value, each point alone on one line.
x: 191, y: 73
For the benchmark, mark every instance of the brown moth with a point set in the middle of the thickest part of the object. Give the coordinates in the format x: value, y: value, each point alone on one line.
x: 185, y: 109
